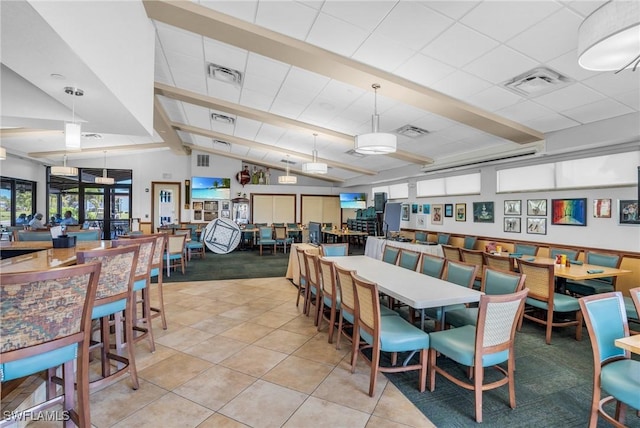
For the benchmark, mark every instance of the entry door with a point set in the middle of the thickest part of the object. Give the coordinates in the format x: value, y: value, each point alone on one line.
x: 166, y: 204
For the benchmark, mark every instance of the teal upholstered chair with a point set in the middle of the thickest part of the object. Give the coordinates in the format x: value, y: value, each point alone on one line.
x: 265, y: 238
x: 432, y: 265
x: 443, y: 238
x: 572, y: 255
x: 632, y: 307
x: 390, y: 254
x: 599, y: 285
x: 86, y: 235
x: 282, y: 238
x: 526, y: 250
x: 195, y: 246
x: 49, y: 325
x: 614, y: 371
x: 335, y: 250
x: 28, y: 235
x: 489, y: 343
x: 409, y: 259
x: 330, y: 298
x: 470, y: 242
x: 420, y: 237
x: 385, y: 334
x: 542, y: 296
x: 494, y: 283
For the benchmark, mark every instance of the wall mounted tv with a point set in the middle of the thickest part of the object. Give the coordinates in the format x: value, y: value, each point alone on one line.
x: 353, y: 200
x: 210, y: 188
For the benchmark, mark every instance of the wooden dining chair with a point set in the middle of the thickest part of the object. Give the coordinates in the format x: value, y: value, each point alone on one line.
x: 282, y: 238
x: 175, y: 252
x: 474, y: 257
x: 485, y: 345
x: 329, y: 297
x: 470, y: 242
x: 48, y: 326
x: 265, y: 238
x: 495, y: 261
x: 542, y: 297
x: 432, y: 265
x: 443, y: 238
x: 313, y: 288
x: 409, y: 259
x: 614, y: 371
x: 390, y: 254
x: 302, y: 281
x: 588, y: 287
x: 451, y: 253
x: 334, y: 250
x: 420, y: 237
x: 572, y: 255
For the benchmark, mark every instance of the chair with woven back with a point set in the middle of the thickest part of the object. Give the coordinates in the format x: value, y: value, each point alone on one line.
x: 329, y: 297
x: 334, y: 250
x: 48, y: 326
x: 142, y: 284
x: 495, y: 261
x: 489, y: 343
x: 313, y: 281
x: 542, y: 296
x: 598, y: 285
x: 474, y: 257
x: 390, y: 254
x: 614, y: 370
x: 451, y: 253
x: 175, y: 252
x: 385, y: 334
x: 303, y: 283
x: 282, y: 238
x: 114, y: 297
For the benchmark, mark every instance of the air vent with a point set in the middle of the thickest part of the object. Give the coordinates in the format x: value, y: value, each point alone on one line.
x: 221, y: 143
x: 202, y: 160
x: 411, y: 131
x: 483, y: 157
x: 92, y: 136
x: 353, y: 153
x: 289, y: 161
x: 224, y: 74
x: 537, y: 82
x: 222, y: 118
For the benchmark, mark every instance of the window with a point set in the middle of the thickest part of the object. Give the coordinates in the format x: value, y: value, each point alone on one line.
x: 16, y: 197
x: 467, y: 184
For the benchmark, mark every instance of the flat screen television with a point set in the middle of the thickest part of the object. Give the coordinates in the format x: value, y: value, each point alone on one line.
x: 353, y: 200
x: 315, y: 232
x: 210, y: 188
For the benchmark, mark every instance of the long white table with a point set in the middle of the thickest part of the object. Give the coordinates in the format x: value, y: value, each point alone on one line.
x: 415, y: 289
x: 375, y: 247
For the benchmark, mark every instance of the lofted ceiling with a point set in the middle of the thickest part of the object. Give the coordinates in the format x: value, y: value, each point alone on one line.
x: 307, y: 67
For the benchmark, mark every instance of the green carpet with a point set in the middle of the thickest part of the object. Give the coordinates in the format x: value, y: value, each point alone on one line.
x: 553, y: 382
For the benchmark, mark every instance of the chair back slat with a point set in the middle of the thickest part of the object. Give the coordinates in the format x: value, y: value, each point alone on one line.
x: 328, y: 275
x: 432, y: 265
x: 540, y: 279
x: 367, y: 304
x: 345, y: 285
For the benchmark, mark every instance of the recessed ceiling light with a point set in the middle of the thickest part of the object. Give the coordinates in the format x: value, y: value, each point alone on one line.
x: 57, y: 76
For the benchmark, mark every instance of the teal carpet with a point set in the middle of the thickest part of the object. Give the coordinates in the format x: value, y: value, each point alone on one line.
x: 553, y: 382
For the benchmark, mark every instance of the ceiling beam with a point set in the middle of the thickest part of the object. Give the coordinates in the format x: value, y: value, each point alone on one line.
x: 162, y: 125
x: 215, y: 25
x: 110, y: 149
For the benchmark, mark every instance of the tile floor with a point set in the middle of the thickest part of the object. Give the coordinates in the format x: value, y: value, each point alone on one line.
x: 239, y: 353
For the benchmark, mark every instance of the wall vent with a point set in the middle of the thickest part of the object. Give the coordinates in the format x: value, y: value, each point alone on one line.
x: 224, y: 74
x: 202, y: 160
x: 537, y: 82
x: 411, y: 131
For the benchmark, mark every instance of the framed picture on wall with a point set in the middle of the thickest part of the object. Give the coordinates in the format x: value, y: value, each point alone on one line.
x: 426, y: 209
x: 448, y: 210
x: 536, y: 207
x: 461, y: 212
x: 512, y: 207
x: 405, y: 212
x: 602, y: 208
x: 414, y: 208
x: 483, y: 212
x: 421, y: 220
x: 569, y: 212
x: 512, y: 224
x: 437, y: 212
x: 629, y: 212
x: 537, y: 226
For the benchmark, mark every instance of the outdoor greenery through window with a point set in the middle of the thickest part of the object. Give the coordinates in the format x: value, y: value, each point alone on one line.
x: 17, y: 197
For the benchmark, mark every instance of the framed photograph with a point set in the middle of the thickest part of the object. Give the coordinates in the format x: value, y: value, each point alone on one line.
x: 569, y: 212
x: 405, y: 212
x: 602, y: 208
x: 629, y: 212
x: 437, y: 212
x: 536, y: 207
x: 421, y: 220
x: 461, y: 212
x: 512, y: 224
x: 448, y: 210
x: 224, y: 214
x: 414, y: 208
x: 512, y: 207
x: 225, y: 205
x: 537, y: 226
x: 426, y: 209
x: 483, y: 212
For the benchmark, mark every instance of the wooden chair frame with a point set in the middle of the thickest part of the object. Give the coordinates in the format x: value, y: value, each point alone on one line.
x: 328, y: 290
x: 313, y: 280
x: 451, y: 252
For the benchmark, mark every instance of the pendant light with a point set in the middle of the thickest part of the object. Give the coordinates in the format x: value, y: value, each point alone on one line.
x: 314, y: 167
x: 64, y: 170
x: 375, y: 143
x: 104, y: 179
x: 287, y: 179
x: 72, y: 130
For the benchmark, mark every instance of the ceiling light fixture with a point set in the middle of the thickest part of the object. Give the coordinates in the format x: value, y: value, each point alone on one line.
x: 3, y: 153
x: 375, y: 143
x: 104, y: 179
x: 287, y: 179
x: 64, y: 170
x: 72, y: 131
x: 314, y: 167
x: 609, y: 38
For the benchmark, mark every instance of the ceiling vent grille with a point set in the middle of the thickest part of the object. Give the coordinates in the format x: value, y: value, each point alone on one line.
x: 92, y: 136
x: 537, y: 82
x: 353, y: 153
x: 224, y: 74
x: 411, y: 131
x: 287, y: 161
x: 202, y: 160
x: 217, y: 117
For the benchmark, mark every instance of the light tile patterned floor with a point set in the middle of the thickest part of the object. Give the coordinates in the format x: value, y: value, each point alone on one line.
x: 239, y: 353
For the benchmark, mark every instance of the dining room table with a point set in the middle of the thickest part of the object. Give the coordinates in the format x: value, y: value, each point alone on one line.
x: 629, y: 343
x: 340, y: 234
x: 29, y: 256
x: 415, y: 289
x: 293, y: 268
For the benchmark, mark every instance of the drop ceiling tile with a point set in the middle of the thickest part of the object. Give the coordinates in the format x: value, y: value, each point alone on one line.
x: 178, y: 40
x: 550, y: 38
x: 382, y: 53
x: 336, y: 35
x: 287, y: 108
x: 340, y: 94
x: 197, y: 116
x: 289, y: 18
x: 302, y: 86
x: 256, y: 100
x: 631, y: 99
x: 269, y: 134
x: 413, y: 25
x: 500, y: 65
x: 461, y: 85
x: 550, y: 123
x: 245, y: 10
x: 223, y: 90
x: 459, y: 132
x: 502, y: 20
x: 585, y: 7
x: 567, y: 65
x: 525, y: 110
x: 433, y: 123
x: 424, y: 70
x: 494, y: 98
x: 452, y: 9
x: 612, y: 84
x: 569, y: 97
x: 246, y: 128
x: 366, y: 18
x: 225, y: 55
x: 448, y: 48
x: 599, y: 110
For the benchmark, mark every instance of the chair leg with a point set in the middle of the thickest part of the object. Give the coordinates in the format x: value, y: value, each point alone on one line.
x: 512, y: 385
x: 375, y: 362
x: 355, y: 341
x: 579, y: 325
x: 159, y: 311
x: 332, y: 322
x: 69, y: 392
x: 340, y: 321
x: 82, y: 381
x: 432, y: 369
x: 549, y: 326
x: 477, y: 389
x: 424, y: 357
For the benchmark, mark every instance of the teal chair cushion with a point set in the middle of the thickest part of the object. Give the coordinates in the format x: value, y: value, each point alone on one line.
x: 347, y: 316
x: 387, y: 312
x: 334, y: 251
x: 622, y: 380
x: 588, y: 287
x: 108, y: 309
x: 141, y: 283
x: 459, y: 345
x: 630, y: 308
x: 34, y: 236
x: 86, y: 235
x: 561, y: 303
x: 432, y: 266
x: 390, y: 254
x: 194, y: 245
x: 328, y: 301
x: 470, y: 242
x: 155, y: 272
x: 572, y: 255
x: 37, y: 363
x: 500, y: 283
x: 462, y: 316
x: 527, y: 250
x: 443, y: 239
x: 397, y: 335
